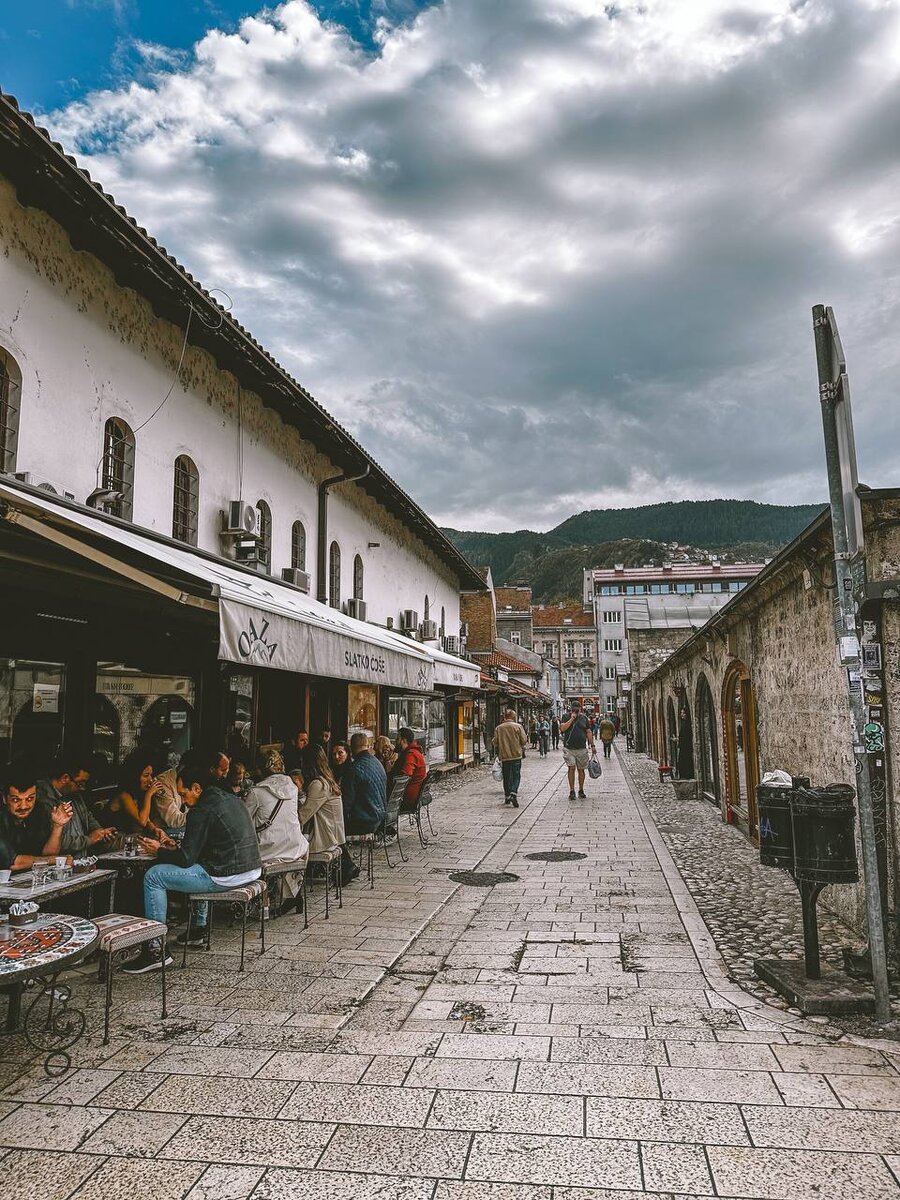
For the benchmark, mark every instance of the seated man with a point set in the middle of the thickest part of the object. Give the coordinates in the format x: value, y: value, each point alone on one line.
x: 294, y: 751
x: 66, y: 783
x: 411, y: 763
x: 220, y: 851
x: 29, y: 830
x: 363, y: 797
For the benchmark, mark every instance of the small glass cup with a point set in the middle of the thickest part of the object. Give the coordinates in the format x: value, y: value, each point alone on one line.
x: 40, y: 874
x: 62, y: 872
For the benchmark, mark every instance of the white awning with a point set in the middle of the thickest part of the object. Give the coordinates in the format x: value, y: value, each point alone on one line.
x: 450, y: 671
x: 261, y: 621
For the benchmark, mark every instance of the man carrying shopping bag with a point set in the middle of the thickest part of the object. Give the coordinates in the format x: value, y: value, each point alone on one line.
x: 509, y: 741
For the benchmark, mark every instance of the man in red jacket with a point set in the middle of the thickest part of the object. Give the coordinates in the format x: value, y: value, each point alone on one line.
x: 411, y: 762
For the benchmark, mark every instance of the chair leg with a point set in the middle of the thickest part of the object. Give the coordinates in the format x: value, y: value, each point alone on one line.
x: 328, y: 869
x: 164, y: 1011
x: 187, y: 933
x: 339, y: 887
x: 422, y: 838
x: 262, y: 921
x: 384, y: 847
x: 404, y: 857
x: 109, y: 987
x: 305, y: 895
x: 244, y: 932
x: 430, y: 826
x: 371, y: 866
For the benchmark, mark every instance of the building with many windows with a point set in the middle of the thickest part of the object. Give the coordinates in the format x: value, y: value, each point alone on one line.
x: 567, y: 636
x: 190, y: 536
x: 616, y: 595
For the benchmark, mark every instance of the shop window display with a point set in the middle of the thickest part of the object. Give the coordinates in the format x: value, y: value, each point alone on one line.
x: 137, y: 709
x: 32, y: 709
x: 362, y: 709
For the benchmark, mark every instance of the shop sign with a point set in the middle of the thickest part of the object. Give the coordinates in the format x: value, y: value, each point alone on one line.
x: 255, y: 638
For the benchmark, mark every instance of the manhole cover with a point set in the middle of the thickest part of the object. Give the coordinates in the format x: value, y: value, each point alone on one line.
x: 483, y: 878
x: 555, y: 856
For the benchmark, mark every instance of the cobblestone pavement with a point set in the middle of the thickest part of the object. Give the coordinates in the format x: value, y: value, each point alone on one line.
x: 752, y: 911
x: 567, y: 1035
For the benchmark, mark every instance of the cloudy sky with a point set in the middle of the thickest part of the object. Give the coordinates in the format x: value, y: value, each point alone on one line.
x: 538, y: 255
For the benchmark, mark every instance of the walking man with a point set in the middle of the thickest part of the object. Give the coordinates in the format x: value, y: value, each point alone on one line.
x: 577, y: 736
x: 607, y: 733
x: 543, y: 732
x: 554, y: 731
x: 509, y: 741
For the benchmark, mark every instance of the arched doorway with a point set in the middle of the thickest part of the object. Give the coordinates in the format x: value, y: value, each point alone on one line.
x: 671, y: 734
x: 707, y: 742
x: 661, y: 733
x: 166, y: 728
x: 684, y: 767
x: 741, y: 746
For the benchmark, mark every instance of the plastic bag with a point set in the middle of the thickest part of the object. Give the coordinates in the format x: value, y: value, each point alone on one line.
x: 594, y: 768
x: 496, y: 771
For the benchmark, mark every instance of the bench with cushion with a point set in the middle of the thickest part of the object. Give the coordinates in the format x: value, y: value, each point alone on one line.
x: 119, y: 935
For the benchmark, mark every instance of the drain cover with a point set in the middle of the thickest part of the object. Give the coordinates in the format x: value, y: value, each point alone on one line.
x: 483, y: 878
x: 555, y: 856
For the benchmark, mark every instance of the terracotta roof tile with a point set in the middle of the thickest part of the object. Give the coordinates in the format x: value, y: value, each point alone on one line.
x: 562, y: 616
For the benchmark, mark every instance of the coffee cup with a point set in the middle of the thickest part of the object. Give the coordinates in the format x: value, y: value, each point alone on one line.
x: 5, y: 877
x: 60, y: 860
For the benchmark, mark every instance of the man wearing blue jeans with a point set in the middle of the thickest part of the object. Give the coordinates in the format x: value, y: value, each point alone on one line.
x: 509, y: 742
x: 220, y: 851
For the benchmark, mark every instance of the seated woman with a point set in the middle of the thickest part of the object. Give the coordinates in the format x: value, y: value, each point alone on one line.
x: 338, y: 759
x: 385, y: 753
x: 132, y: 809
x: 272, y: 805
x: 321, y: 806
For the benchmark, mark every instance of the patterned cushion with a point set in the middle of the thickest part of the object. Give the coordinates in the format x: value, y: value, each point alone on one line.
x: 239, y: 895
x: 119, y: 931
x: 361, y: 839
x: 283, y: 866
x: 325, y: 856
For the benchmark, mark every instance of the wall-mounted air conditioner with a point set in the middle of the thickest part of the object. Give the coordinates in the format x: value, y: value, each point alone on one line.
x: 296, y: 578
x: 43, y: 485
x: 241, y: 520
x: 428, y: 631
x: 451, y: 645
x: 464, y: 629
x: 355, y: 608
x: 409, y: 619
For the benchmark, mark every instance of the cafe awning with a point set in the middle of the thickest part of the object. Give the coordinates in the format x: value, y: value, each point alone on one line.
x: 262, y: 622
x: 450, y: 671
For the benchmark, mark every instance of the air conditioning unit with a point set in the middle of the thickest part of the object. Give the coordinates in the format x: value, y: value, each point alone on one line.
x: 296, y: 578
x: 451, y: 645
x: 356, y: 608
x: 428, y: 631
x: 43, y: 485
x: 464, y: 629
x: 241, y: 520
x: 409, y: 619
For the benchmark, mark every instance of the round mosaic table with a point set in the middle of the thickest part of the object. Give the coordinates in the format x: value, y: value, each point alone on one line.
x: 39, y: 952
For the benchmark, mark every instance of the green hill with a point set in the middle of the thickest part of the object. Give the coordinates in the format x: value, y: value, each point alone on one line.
x: 552, y: 562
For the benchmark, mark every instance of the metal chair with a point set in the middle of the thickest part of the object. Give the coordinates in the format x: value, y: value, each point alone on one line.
x: 240, y: 897
x: 331, y: 861
x: 119, y: 934
x: 423, y: 801
x: 275, y: 870
x: 392, y: 819
x: 366, y: 843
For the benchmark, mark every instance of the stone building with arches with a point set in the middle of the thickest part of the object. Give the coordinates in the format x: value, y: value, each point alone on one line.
x: 759, y: 687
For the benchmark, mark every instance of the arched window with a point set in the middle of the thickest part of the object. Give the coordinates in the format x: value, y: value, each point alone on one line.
x: 186, y: 501
x: 741, y: 746
x: 426, y: 615
x: 10, y: 400
x: 265, y: 535
x: 707, y: 745
x: 334, y: 575
x: 358, y: 578
x: 298, y: 546
x: 443, y: 621
x: 118, y: 467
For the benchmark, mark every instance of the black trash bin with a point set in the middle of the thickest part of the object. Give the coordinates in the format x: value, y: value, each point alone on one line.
x: 823, y: 821
x: 776, y: 837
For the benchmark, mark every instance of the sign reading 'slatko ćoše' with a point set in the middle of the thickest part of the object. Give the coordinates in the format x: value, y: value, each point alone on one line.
x: 320, y: 641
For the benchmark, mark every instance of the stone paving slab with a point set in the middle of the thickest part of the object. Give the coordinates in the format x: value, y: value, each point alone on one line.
x: 572, y: 1035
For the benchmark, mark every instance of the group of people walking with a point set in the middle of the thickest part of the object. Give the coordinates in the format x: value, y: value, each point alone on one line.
x: 576, y: 730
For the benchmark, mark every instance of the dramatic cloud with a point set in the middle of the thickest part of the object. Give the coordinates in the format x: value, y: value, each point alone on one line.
x: 544, y: 255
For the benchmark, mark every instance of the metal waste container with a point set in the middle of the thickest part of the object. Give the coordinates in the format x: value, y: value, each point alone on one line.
x: 823, y: 821
x: 776, y: 834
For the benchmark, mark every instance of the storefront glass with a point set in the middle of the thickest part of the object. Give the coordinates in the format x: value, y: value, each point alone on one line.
x: 407, y: 712
x: 32, y: 709
x: 436, y: 749
x: 465, y: 743
x: 239, y: 716
x: 156, y: 712
x: 362, y: 709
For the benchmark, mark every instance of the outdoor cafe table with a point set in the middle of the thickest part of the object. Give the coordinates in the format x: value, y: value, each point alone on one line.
x: 20, y: 888
x: 39, y: 951
x: 130, y: 869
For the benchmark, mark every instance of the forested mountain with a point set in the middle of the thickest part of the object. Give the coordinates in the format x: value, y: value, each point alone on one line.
x: 552, y: 562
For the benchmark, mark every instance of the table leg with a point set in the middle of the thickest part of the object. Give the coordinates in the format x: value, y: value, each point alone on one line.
x: 55, y: 1033
x: 14, y: 1011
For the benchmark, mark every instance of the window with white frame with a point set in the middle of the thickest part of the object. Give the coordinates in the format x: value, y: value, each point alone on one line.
x: 570, y: 649
x: 516, y: 637
x: 585, y: 649
x: 609, y: 672
x: 549, y: 650
x: 612, y: 645
x: 612, y: 617
x: 571, y: 678
x: 610, y: 704
x: 587, y: 677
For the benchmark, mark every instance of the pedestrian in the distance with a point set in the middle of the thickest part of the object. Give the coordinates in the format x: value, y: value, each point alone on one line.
x: 554, y: 732
x: 577, y: 736
x: 543, y: 733
x: 509, y: 742
x: 532, y: 733
x: 607, y: 734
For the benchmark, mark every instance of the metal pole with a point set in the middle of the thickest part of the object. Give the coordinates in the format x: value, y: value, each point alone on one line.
x: 832, y: 390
